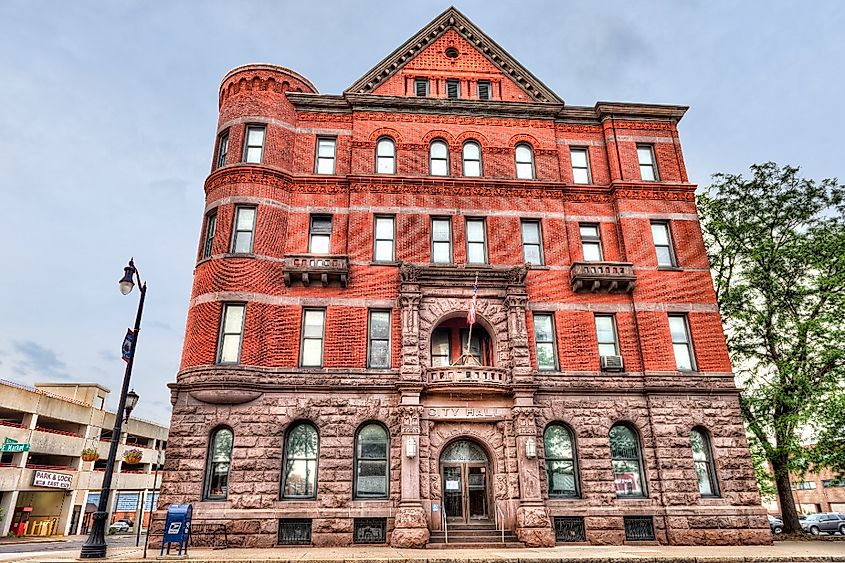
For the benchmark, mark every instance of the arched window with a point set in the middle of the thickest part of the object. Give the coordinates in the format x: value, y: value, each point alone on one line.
x: 371, y: 467
x: 560, y: 461
x: 702, y: 457
x: 218, y: 464
x: 438, y: 158
x: 524, y: 161
x: 300, y: 465
x: 386, y: 156
x: 627, y: 461
x: 472, y: 158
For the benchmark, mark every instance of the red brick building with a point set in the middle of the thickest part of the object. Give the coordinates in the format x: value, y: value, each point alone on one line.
x: 330, y: 391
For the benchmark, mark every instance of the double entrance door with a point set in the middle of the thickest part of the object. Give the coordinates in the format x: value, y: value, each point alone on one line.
x: 465, y: 497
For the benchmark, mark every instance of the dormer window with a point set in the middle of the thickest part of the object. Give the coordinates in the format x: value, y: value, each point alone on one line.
x: 421, y: 87
x: 453, y: 88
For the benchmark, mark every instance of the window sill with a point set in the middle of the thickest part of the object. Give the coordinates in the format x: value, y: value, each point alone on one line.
x: 669, y: 269
x: 238, y: 255
x: 384, y: 263
x: 537, y: 266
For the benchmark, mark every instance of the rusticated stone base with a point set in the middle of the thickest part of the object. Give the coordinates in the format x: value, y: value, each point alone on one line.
x: 411, y: 529
x: 533, y: 527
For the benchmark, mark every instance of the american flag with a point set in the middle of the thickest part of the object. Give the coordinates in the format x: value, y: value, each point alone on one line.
x: 472, y: 302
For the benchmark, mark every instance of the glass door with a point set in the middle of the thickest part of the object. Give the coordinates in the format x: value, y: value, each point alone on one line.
x: 453, y: 492
x: 476, y: 480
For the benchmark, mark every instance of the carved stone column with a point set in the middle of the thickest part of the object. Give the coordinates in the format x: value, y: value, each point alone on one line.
x: 516, y: 303
x: 533, y: 527
x: 409, y: 301
x: 410, y: 525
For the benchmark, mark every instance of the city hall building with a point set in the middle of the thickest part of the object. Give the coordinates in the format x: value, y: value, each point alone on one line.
x: 332, y: 390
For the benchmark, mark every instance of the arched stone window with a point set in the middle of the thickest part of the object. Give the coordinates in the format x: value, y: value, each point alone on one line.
x: 371, y: 461
x: 472, y: 158
x: 218, y: 464
x: 302, y: 447
x: 524, y: 161
x: 627, y: 461
x: 463, y: 451
x: 438, y: 158
x: 702, y: 457
x: 561, y: 468
x: 386, y: 156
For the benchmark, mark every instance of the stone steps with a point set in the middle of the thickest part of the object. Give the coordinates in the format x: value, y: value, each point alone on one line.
x: 472, y: 536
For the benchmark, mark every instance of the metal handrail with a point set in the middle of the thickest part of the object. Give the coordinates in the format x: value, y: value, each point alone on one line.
x: 445, y: 523
x: 500, y: 520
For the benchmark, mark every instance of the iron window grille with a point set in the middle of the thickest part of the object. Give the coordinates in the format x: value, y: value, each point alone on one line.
x: 570, y: 529
x: 639, y: 528
x: 370, y: 530
x: 295, y: 531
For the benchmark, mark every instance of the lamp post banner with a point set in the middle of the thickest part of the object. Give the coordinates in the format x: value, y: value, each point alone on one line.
x: 126, y: 350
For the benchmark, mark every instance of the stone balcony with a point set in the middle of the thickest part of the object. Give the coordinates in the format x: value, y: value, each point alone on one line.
x: 609, y: 277
x: 469, y: 377
x: 322, y: 268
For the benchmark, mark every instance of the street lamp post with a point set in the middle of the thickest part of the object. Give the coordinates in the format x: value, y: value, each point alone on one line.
x: 95, y: 546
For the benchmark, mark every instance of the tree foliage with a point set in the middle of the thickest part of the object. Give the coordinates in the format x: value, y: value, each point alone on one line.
x: 776, y: 243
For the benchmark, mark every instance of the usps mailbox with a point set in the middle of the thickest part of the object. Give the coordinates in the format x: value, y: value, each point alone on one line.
x: 177, y: 527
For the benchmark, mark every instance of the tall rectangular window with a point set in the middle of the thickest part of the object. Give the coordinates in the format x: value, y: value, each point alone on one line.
x: 320, y: 239
x: 326, y: 150
x: 384, y: 249
x: 222, y: 148
x: 210, y: 229
x: 313, y: 325
x: 254, y: 145
x: 544, y: 339
x: 580, y: 165
x: 483, y: 89
x: 421, y: 87
x: 441, y: 348
x: 379, y: 340
x: 663, y: 244
x: 243, y: 231
x: 453, y: 88
x: 682, y: 343
x: 476, y: 241
x: 231, y: 333
x: 590, y: 242
x: 532, y: 242
x: 606, y: 335
x: 441, y: 240
x: 648, y: 168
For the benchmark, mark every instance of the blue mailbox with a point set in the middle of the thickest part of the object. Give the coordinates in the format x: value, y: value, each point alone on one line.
x: 177, y: 527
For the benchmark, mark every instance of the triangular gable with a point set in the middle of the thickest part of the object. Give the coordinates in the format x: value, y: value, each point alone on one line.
x: 480, y: 58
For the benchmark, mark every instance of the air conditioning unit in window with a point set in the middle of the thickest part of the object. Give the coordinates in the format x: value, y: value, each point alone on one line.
x: 611, y: 363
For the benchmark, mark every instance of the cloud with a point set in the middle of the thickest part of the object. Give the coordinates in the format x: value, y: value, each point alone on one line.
x: 39, y: 361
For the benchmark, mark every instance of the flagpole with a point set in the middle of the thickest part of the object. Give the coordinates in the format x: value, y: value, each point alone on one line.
x: 473, y: 305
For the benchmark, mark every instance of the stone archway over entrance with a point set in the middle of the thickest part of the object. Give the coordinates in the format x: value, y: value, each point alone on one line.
x: 465, y: 474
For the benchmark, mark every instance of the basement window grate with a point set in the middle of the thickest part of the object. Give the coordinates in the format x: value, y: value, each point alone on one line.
x: 569, y: 529
x: 370, y: 530
x: 295, y: 531
x: 639, y: 528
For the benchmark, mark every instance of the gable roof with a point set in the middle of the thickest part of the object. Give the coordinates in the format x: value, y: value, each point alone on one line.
x: 452, y: 18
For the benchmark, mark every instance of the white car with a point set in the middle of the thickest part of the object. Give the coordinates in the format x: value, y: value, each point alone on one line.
x: 119, y: 527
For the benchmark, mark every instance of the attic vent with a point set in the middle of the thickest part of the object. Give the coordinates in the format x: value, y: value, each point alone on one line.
x: 452, y: 53
x: 453, y: 89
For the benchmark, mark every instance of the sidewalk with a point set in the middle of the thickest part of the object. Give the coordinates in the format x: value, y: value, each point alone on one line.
x: 780, y: 552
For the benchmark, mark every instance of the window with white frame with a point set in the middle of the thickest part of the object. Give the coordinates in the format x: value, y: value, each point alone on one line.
x: 243, y: 230
x: 472, y: 159
x: 254, y: 144
x: 663, y: 244
x: 386, y: 156
x: 222, y: 148
x: 326, y: 155
x: 702, y: 457
x: 648, y: 168
x: 320, y: 239
x: 544, y: 341
x: 606, y: 335
x: 379, y: 340
x: 682, y: 343
x: 441, y: 240
x: 532, y: 242
x: 438, y: 159
x: 524, y: 155
x: 476, y: 241
x: 590, y: 242
x: 441, y: 347
x: 231, y: 333
x: 580, y: 165
x: 384, y: 246
x: 210, y: 230
x: 313, y: 326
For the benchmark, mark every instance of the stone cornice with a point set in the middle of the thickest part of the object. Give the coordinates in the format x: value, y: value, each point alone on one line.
x: 632, y: 111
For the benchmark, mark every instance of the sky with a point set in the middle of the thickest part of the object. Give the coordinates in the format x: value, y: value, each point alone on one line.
x: 108, y: 112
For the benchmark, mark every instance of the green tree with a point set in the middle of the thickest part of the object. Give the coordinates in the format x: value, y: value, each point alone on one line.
x: 776, y: 243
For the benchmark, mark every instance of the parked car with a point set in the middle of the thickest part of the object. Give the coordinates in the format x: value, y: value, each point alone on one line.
x: 824, y: 523
x: 776, y: 524
x: 120, y: 527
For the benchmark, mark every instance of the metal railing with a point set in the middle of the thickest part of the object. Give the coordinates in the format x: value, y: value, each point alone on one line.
x: 445, y: 524
x: 500, y: 521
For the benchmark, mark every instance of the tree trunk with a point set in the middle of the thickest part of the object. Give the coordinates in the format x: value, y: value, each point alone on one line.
x: 789, y: 514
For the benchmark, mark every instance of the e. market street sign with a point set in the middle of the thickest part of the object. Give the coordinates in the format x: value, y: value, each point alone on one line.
x: 13, y: 447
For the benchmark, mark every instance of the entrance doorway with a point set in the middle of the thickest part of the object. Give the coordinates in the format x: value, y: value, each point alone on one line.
x: 465, y: 472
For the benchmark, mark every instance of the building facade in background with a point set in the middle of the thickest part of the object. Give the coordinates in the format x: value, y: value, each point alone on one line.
x: 814, y: 492
x: 49, y: 480
x: 332, y: 390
